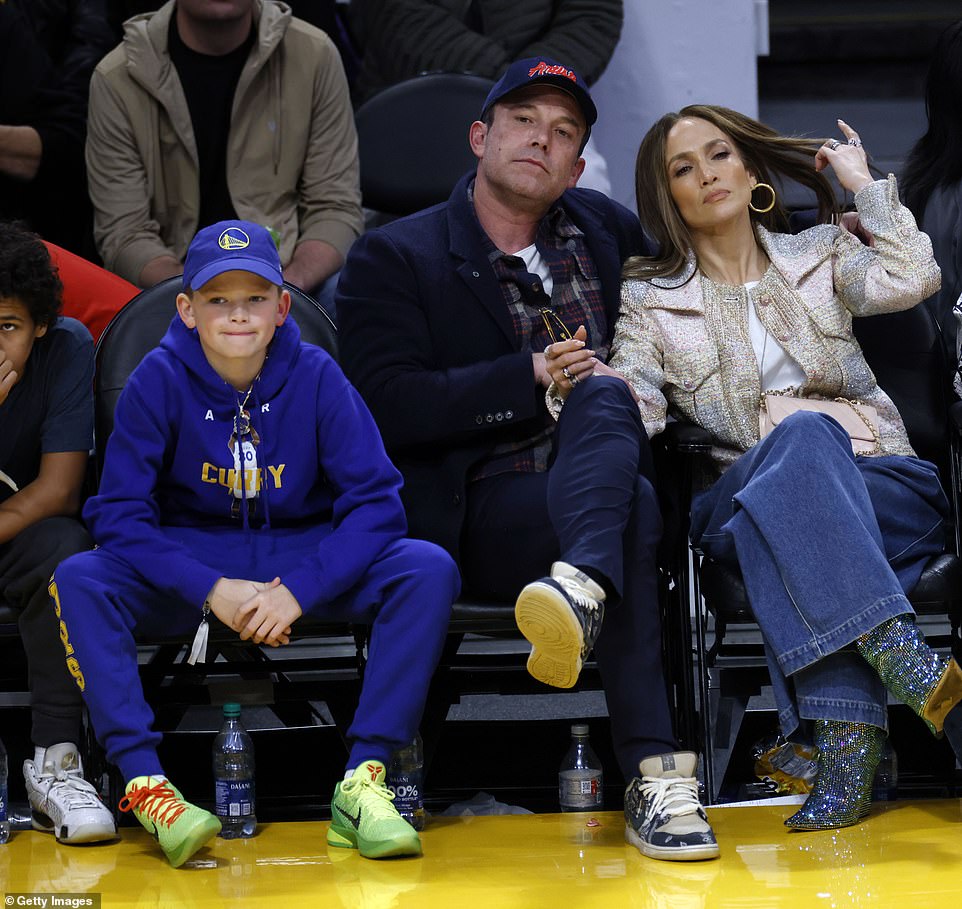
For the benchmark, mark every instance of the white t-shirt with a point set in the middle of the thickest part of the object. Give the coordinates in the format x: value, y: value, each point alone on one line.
x: 775, y: 367
x: 537, y: 266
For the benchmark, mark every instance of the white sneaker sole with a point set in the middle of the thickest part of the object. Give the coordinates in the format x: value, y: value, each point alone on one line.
x: 84, y: 833
x: 546, y: 619
x: 670, y: 853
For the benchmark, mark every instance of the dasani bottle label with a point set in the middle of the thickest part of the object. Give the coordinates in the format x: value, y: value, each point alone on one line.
x: 234, y: 798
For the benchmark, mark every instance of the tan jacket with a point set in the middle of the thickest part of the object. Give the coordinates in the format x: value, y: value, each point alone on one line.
x: 291, y: 155
x: 685, y: 347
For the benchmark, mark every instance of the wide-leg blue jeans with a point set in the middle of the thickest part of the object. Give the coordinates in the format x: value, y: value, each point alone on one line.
x: 828, y: 545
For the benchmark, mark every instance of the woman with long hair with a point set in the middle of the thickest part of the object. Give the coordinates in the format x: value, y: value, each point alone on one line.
x: 828, y: 541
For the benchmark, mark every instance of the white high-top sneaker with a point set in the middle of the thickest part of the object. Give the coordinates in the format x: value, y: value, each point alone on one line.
x: 62, y: 801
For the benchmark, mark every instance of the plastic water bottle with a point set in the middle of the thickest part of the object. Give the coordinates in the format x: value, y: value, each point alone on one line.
x: 885, y: 787
x: 580, y: 779
x: 4, y: 820
x: 405, y: 778
x: 234, y: 793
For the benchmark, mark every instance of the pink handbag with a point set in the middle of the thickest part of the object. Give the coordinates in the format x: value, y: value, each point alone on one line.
x: 859, y: 420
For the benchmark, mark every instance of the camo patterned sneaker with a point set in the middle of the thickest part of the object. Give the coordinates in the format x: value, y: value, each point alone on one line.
x: 663, y: 817
x: 62, y: 802
x: 561, y: 616
x: 363, y: 816
x: 179, y: 827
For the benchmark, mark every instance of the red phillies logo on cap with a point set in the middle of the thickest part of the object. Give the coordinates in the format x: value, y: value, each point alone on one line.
x: 543, y: 69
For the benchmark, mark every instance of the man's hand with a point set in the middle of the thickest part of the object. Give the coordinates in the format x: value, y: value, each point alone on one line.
x: 8, y: 378
x: 21, y: 151
x: 541, y: 376
x: 267, y: 616
x: 159, y: 269
x: 313, y: 262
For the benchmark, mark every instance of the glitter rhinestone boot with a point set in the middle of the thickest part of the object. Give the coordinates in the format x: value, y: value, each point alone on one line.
x: 919, y: 677
x: 848, y: 754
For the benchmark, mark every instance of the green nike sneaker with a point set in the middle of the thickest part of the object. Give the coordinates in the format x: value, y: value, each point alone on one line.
x: 179, y: 827
x: 363, y: 816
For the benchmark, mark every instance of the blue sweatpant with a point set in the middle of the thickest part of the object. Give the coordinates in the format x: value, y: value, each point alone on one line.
x: 405, y: 596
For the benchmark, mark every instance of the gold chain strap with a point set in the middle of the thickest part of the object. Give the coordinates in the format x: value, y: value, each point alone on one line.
x: 792, y: 392
x: 872, y: 428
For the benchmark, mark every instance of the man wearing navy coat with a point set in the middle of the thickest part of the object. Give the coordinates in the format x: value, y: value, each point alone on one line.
x: 456, y: 324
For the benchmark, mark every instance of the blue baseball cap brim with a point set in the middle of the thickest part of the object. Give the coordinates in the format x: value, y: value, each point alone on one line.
x: 234, y: 263
x: 231, y: 246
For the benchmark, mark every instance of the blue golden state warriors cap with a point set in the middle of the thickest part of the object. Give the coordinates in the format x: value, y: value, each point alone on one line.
x: 231, y: 246
x: 543, y: 71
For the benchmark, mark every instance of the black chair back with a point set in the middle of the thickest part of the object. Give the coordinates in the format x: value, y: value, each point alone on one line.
x: 413, y: 140
x: 138, y: 327
x: 906, y: 352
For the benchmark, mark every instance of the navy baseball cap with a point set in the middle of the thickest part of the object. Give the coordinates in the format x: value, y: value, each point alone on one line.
x: 231, y: 246
x: 543, y: 71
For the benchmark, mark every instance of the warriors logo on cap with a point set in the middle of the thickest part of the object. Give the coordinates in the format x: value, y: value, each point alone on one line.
x: 233, y: 238
x: 228, y: 246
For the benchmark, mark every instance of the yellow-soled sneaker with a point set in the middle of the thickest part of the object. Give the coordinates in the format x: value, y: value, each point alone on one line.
x: 180, y: 827
x: 363, y: 816
x: 561, y: 616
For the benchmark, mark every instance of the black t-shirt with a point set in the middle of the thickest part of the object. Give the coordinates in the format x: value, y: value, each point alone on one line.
x: 51, y: 408
x: 209, y: 83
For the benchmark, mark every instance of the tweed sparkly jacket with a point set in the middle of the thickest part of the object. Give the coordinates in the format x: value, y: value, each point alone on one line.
x: 685, y: 347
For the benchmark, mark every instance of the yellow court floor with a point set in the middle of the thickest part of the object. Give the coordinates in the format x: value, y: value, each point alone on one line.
x: 905, y: 854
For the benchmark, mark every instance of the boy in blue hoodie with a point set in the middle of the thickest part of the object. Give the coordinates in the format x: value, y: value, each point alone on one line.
x: 246, y: 478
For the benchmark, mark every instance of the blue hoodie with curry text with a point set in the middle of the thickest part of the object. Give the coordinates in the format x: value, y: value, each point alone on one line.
x: 170, y: 463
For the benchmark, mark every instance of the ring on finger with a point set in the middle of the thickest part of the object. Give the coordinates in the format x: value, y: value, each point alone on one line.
x: 566, y: 374
x: 855, y: 141
x: 834, y: 144
x: 574, y: 380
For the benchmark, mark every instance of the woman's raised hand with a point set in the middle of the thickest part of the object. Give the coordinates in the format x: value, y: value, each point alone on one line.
x: 847, y: 159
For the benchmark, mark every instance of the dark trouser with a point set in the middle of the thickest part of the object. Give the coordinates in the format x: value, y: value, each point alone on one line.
x: 594, y: 508
x: 26, y: 564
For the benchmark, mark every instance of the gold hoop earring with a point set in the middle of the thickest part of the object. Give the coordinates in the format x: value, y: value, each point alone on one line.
x: 771, y: 204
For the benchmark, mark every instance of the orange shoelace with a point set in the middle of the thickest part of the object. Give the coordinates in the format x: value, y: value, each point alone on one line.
x: 159, y: 802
